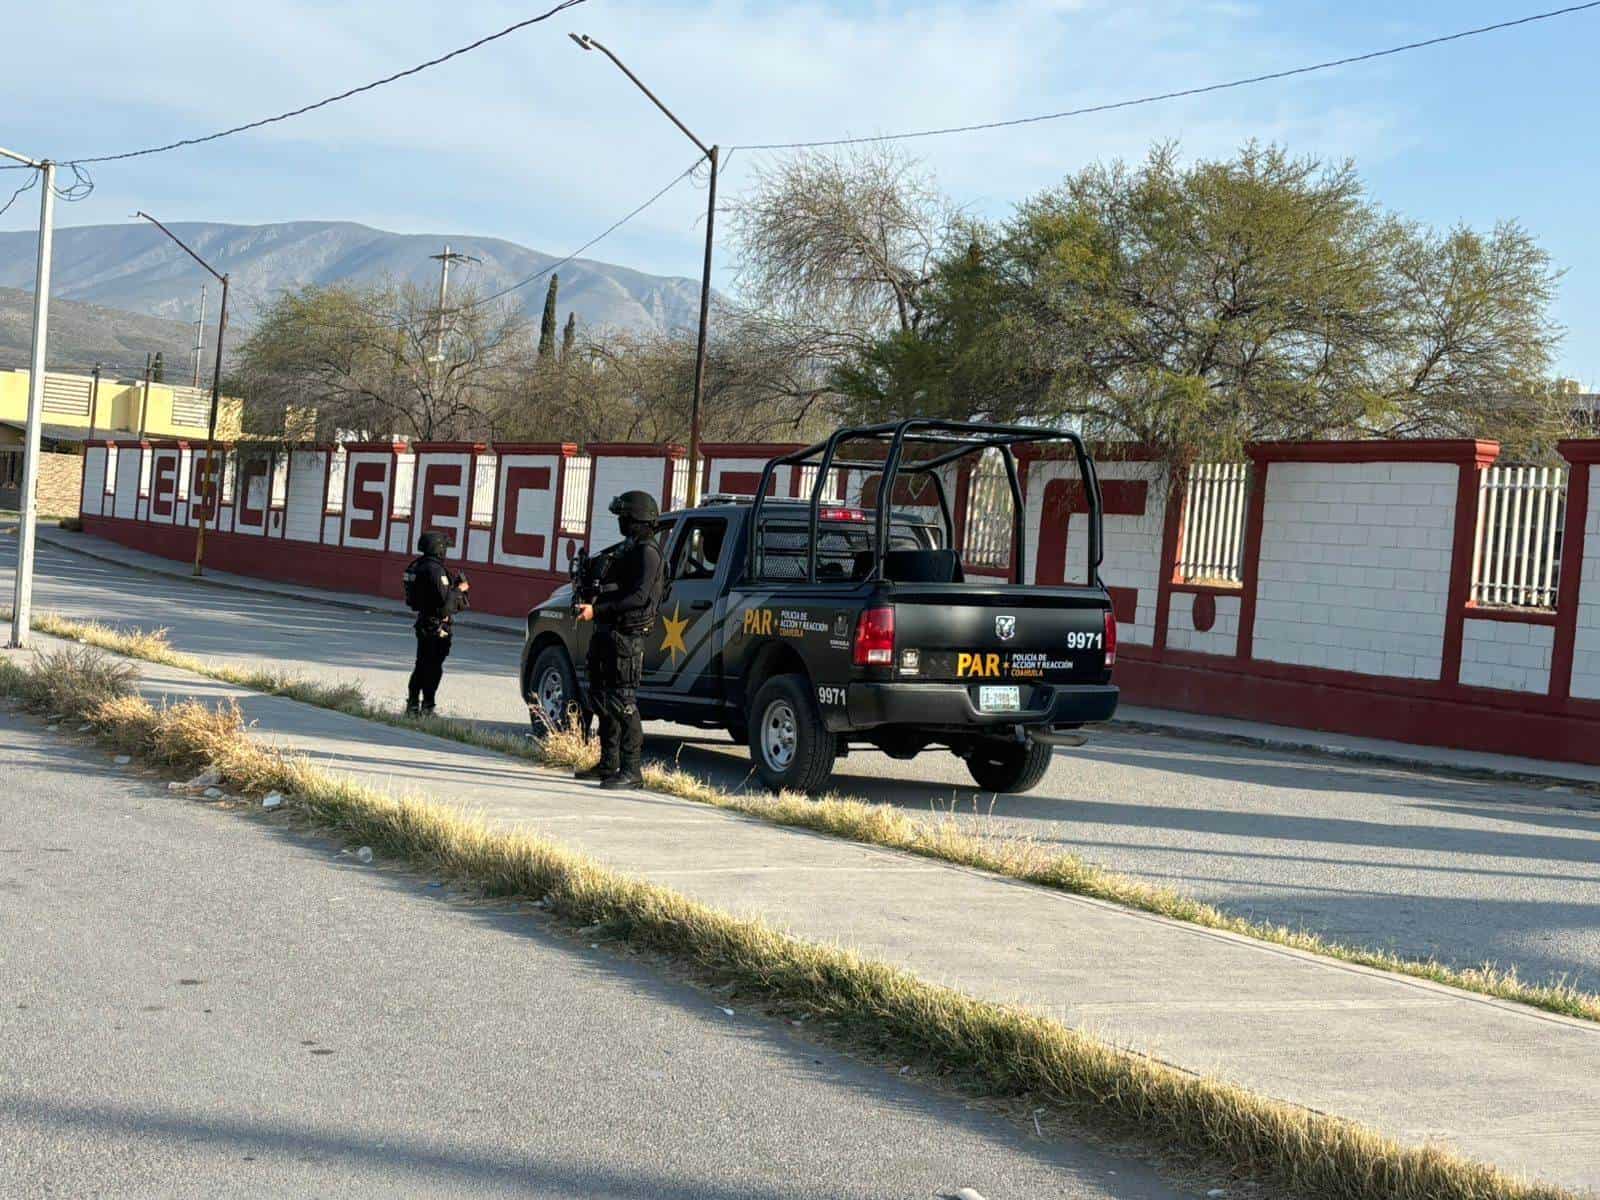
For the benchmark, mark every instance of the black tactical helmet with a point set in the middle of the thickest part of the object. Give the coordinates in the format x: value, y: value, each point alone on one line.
x: 639, y: 507
x: 433, y: 543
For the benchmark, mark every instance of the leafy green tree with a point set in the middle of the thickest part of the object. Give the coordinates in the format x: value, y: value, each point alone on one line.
x: 1195, y: 307
x: 569, y: 336
x: 547, y: 325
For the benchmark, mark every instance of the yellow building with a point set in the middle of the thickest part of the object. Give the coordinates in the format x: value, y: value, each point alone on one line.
x: 122, y: 409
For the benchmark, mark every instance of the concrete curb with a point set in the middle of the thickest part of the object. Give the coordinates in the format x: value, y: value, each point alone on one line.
x: 65, y: 541
x: 1352, y: 754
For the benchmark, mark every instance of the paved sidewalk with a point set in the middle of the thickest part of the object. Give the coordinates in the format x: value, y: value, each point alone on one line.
x: 1192, y: 724
x: 1498, y: 1081
x: 153, y: 564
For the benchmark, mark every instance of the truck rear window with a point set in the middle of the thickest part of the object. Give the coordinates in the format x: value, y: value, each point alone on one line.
x: 844, y: 548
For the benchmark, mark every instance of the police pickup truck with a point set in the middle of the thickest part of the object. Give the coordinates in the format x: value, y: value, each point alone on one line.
x: 804, y: 627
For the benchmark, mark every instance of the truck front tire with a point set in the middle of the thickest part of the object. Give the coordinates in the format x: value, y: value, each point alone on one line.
x: 551, y: 691
x: 791, y: 748
x: 1010, y: 768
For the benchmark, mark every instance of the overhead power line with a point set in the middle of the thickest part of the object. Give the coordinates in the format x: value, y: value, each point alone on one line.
x: 1176, y: 95
x: 345, y: 95
x: 599, y: 237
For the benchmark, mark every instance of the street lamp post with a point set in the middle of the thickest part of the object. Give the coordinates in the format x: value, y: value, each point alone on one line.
x: 212, y: 483
x: 588, y: 43
x: 22, y: 596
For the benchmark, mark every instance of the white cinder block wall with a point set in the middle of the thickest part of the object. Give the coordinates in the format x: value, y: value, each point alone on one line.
x: 303, y: 505
x: 1586, y: 649
x: 94, y: 481
x: 1221, y: 638
x: 1510, y: 655
x: 1355, y: 566
x: 613, y: 475
x: 1132, y: 540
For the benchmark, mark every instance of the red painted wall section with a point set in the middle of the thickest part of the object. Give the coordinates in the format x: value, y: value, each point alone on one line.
x: 367, y: 499
x: 250, y: 512
x: 443, y: 487
x: 519, y: 481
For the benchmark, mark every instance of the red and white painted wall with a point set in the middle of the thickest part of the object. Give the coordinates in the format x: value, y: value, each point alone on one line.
x: 1349, y: 609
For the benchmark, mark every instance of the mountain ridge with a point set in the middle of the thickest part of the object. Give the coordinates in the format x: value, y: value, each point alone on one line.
x: 133, y: 268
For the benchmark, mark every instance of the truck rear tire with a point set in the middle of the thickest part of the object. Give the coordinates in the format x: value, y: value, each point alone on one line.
x: 1010, y: 768
x: 790, y: 746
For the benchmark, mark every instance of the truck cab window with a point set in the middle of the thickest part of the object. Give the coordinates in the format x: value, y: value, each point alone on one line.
x: 700, y: 549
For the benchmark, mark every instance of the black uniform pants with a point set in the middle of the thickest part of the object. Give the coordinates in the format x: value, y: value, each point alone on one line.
x: 433, y: 647
x: 616, y: 663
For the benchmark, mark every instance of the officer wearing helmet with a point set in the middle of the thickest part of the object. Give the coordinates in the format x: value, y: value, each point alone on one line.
x: 623, y: 613
x: 435, y: 594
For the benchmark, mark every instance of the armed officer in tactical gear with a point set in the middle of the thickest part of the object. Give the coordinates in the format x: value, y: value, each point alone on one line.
x: 623, y: 614
x: 435, y: 595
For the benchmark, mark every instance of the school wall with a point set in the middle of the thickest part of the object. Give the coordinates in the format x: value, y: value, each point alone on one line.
x: 1353, y: 614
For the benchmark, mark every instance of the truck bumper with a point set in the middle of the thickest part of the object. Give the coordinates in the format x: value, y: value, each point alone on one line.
x: 954, y: 706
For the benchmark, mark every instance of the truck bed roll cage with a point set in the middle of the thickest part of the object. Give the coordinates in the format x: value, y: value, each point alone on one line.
x: 962, y: 438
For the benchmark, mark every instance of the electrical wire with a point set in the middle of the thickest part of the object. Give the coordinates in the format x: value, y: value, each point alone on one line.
x: 1175, y: 95
x: 345, y: 95
x: 599, y: 237
x: 32, y: 181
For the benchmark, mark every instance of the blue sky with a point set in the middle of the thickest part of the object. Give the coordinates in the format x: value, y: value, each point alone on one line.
x: 532, y: 140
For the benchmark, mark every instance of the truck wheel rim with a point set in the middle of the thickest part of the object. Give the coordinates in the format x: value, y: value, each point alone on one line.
x: 779, y: 734
x: 552, y: 693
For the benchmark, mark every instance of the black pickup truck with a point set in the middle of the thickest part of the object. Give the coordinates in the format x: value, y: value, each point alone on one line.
x: 806, y: 626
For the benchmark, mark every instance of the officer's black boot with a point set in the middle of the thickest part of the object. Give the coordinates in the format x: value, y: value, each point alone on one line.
x: 412, y: 709
x: 629, y: 775
x: 599, y: 771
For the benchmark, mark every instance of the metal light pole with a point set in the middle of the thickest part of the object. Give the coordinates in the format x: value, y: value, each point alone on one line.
x: 588, y: 43
x: 199, y: 335
x: 212, y: 483
x: 94, y: 401
x: 22, y: 598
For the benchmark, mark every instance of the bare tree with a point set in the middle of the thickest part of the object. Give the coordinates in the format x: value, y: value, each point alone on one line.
x: 759, y: 384
x: 845, y: 241
x: 383, y: 362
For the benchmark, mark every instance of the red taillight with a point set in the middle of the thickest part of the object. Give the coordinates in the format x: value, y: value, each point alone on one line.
x: 1111, y: 638
x: 841, y: 514
x: 874, y: 645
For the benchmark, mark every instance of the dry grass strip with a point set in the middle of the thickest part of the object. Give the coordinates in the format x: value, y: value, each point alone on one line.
x: 944, y: 838
x: 993, y: 1049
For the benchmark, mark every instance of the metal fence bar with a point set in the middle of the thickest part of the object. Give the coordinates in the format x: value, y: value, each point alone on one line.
x: 575, y: 494
x: 1211, y: 546
x: 1516, y: 557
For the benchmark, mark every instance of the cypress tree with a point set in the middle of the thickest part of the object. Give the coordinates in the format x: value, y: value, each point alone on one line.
x: 569, y: 335
x: 547, y: 327
x: 158, y: 369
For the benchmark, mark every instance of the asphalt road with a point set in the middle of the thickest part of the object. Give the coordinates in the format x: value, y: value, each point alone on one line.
x: 1427, y: 864
x: 198, y: 1003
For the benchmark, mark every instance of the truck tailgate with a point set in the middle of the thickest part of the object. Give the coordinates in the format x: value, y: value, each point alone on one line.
x: 1000, y: 634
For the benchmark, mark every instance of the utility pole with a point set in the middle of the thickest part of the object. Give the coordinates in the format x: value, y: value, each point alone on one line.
x: 22, y: 598
x: 444, y: 261
x: 213, y: 489
x: 94, y: 400
x: 586, y: 42
x: 144, y: 397
x: 199, y: 334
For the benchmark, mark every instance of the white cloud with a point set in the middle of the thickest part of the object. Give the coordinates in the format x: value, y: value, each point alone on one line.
x: 534, y: 140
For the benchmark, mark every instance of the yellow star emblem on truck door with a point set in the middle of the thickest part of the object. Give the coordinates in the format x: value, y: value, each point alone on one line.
x: 673, y: 642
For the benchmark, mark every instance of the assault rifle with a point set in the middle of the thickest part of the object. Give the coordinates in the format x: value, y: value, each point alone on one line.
x: 586, y: 570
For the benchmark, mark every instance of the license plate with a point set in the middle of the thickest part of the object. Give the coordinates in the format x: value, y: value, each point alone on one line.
x: 999, y: 699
